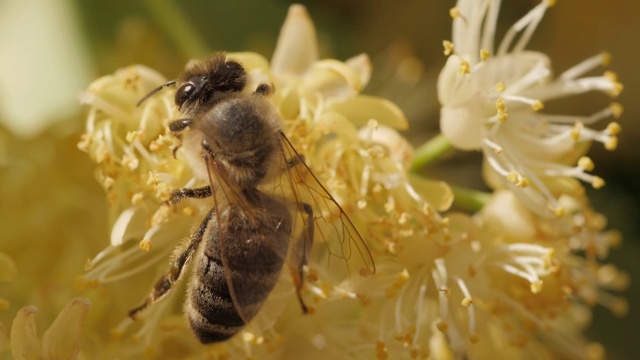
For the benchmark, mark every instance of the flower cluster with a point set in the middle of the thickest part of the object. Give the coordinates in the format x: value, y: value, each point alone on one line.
x: 517, y: 278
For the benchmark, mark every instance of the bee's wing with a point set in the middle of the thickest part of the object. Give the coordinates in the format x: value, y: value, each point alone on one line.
x: 251, y: 256
x: 333, y: 234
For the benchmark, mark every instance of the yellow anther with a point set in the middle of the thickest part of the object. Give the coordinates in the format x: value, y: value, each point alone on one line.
x: 362, y: 203
x: 550, y: 3
x: 597, y: 182
x: 137, y: 198
x: 454, y: 12
x: 611, y: 143
x: 448, y: 47
x: 145, y: 244
x: 611, y: 75
x: 484, y: 55
x: 522, y: 182
x: 467, y: 301
x: 512, y: 177
x: 616, y: 109
x: 474, y: 338
x: 500, y: 105
x: 613, y: 128
x: 537, y: 105
x: 617, y: 89
x: 442, y: 326
x: 465, y: 68
x: 559, y: 211
x: 500, y: 87
x: 502, y: 117
x: 577, y: 129
x: 108, y: 182
x: 536, y: 286
x: 586, y: 163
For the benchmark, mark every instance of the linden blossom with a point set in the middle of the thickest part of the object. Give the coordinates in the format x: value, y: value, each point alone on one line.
x: 492, y: 101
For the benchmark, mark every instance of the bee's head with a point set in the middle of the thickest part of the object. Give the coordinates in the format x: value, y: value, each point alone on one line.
x: 204, y: 83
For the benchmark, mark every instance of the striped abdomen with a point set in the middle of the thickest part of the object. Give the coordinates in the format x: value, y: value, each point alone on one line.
x: 254, y: 256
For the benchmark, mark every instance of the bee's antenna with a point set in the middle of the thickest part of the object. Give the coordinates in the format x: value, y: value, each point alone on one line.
x: 154, y: 91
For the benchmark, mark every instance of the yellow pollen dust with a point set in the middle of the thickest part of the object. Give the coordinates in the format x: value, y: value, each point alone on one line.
x: 500, y: 87
x: 465, y: 68
x: 484, y: 55
x: 537, y: 105
x: 586, y: 163
x: 597, y: 182
x: 145, y: 244
x: 448, y: 47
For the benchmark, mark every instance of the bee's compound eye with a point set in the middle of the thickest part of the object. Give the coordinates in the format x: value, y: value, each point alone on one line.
x: 184, y: 93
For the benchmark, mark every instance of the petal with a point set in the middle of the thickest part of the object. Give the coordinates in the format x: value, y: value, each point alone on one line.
x: 437, y: 193
x: 332, y: 79
x: 362, y: 65
x: 297, y: 46
x: 463, y: 125
x: 360, y: 109
x: 62, y: 339
x: 24, y: 340
x: 507, y: 216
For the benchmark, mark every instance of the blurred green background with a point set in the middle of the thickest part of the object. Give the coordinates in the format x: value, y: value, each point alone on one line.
x: 52, y: 49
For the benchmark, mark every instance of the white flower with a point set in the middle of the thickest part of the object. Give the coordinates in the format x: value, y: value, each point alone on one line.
x: 491, y: 101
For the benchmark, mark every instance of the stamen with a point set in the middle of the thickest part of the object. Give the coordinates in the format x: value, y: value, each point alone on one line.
x: 530, y: 22
x: 468, y: 303
x: 585, y: 66
x: 448, y: 47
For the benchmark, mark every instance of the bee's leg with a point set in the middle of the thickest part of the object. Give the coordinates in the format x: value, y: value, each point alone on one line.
x: 166, y: 282
x: 176, y: 127
x: 198, y: 193
x: 179, y: 125
x: 299, y: 255
x: 264, y: 89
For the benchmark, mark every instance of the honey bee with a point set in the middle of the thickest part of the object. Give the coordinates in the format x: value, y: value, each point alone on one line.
x: 267, y: 205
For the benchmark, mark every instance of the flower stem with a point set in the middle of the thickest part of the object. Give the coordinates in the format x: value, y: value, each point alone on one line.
x: 430, y: 151
x: 172, y: 19
x: 469, y: 199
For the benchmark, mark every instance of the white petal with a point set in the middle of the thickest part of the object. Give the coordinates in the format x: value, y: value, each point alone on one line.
x: 297, y: 46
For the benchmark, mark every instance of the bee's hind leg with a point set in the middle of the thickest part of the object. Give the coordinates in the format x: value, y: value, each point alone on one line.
x: 198, y: 193
x: 166, y: 282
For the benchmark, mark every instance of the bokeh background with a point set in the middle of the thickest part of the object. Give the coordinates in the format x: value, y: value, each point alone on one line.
x: 51, y: 49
